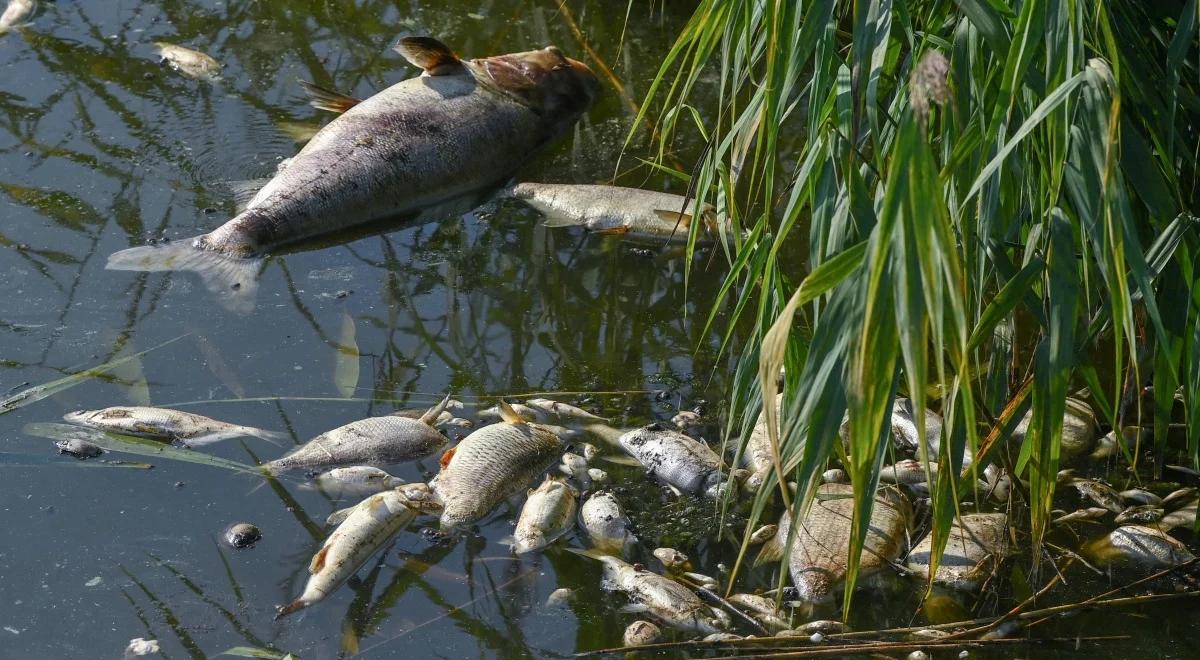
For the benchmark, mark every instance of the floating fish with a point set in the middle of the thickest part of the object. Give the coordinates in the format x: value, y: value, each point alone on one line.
x: 492, y: 464
x: 659, y: 597
x: 641, y: 633
x: 1100, y: 493
x: 1142, y: 514
x: 575, y: 466
x: 191, y: 63
x: 905, y: 434
x: 1082, y: 515
x: 605, y: 524
x: 762, y: 609
x: 186, y: 428
x: 1140, y: 496
x: 674, y: 458
x: 373, y: 441
x: 976, y: 544
x: 548, y: 513
x: 460, y: 128
x: 628, y: 212
x: 17, y: 14
x: 1140, y: 546
x: 366, y: 529
x: 672, y: 559
x: 357, y: 478
x: 1078, y: 433
x: 757, y: 455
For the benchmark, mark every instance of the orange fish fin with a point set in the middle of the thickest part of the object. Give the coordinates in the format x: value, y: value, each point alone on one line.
x: 508, y: 414
x: 446, y: 456
x: 674, y: 217
x: 430, y: 54
x: 620, y: 230
x: 318, y: 560
x: 323, y: 98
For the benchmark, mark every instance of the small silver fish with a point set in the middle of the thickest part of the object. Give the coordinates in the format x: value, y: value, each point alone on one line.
x: 1142, y: 514
x: 1100, y: 493
x: 357, y: 478
x: 763, y: 534
x: 575, y: 466
x: 605, y: 524
x: 191, y: 63
x: 367, y: 528
x: 1082, y: 515
x: 491, y: 464
x: 564, y: 413
x: 628, y: 212
x: 372, y: 441
x: 662, y: 598
x: 1139, y: 496
x: 762, y: 609
x: 17, y: 14
x: 597, y: 476
x: 548, y: 513
x: 186, y: 428
x: 672, y: 559
x: 1140, y: 546
x: 674, y: 458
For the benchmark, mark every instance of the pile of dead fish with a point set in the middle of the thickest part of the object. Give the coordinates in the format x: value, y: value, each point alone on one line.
x: 545, y: 454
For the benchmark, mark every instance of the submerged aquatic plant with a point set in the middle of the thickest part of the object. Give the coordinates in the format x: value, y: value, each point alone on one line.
x: 997, y: 198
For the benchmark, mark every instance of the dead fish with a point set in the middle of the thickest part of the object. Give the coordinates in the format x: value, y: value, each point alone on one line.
x: 701, y: 580
x: 662, y: 598
x: 1078, y: 433
x: 1142, y: 514
x: 548, y: 513
x: 641, y: 633
x: 1182, y: 516
x: 905, y: 434
x: 614, y: 210
x: 907, y: 472
x: 597, y: 475
x: 186, y: 428
x: 357, y: 478
x: 1100, y: 493
x: 17, y: 14
x: 419, y: 496
x: 835, y: 476
x: 605, y: 524
x: 820, y: 551
x: 191, y: 63
x: 460, y: 128
x: 685, y: 420
x: 492, y: 464
x: 1139, y: 496
x: 977, y: 543
x: 1179, y: 497
x: 560, y: 598
x: 1131, y: 437
x: 1139, y: 545
x: 762, y: 609
x: 369, y: 526
x: 672, y: 559
x: 79, y: 448
x: 588, y: 451
x: 674, y: 458
x: 1082, y: 515
x: 564, y: 413
x: 758, y: 456
x: 452, y: 406
x: 574, y: 466
x: 764, y: 534
x: 998, y: 482
x: 372, y: 441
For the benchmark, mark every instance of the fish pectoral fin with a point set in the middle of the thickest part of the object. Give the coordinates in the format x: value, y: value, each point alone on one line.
x: 674, y: 217
x: 619, y: 230
x: 323, y: 98
x: 318, y: 560
x: 633, y: 608
x: 561, y: 220
x: 433, y: 56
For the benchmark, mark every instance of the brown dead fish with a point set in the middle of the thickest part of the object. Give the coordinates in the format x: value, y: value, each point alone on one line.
x: 460, y: 128
x: 492, y: 464
x: 1089, y: 514
x: 820, y: 551
x: 374, y: 441
x: 1140, y: 546
x: 977, y: 543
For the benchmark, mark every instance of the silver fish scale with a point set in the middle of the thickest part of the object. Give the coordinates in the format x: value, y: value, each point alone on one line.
x: 673, y: 457
x: 372, y: 441
x: 150, y: 422
x: 665, y: 599
x: 605, y: 523
x: 600, y: 208
x: 490, y: 465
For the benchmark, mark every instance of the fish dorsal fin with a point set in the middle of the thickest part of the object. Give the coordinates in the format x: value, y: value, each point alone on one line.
x: 433, y: 413
x: 323, y: 98
x: 433, y: 56
x: 508, y: 414
x: 674, y: 217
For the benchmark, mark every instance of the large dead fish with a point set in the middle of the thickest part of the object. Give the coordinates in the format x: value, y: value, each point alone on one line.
x: 660, y: 597
x: 17, y: 14
x: 462, y: 127
x: 492, y: 464
x: 1139, y: 546
x: 374, y: 441
x: 548, y: 513
x: 185, y: 428
x: 606, y: 525
x: 821, y: 547
x: 628, y: 212
x: 977, y: 543
x: 369, y: 525
x: 674, y: 458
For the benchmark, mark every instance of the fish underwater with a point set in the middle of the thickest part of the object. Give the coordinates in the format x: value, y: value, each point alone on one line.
x: 374, y: 441
x: 605, y: 524
x: 186, y: 428
x: 492, y: 464
x: 17, y: 14
x: 461, y: 127
x: 191, y: 63
x: 628, y: 212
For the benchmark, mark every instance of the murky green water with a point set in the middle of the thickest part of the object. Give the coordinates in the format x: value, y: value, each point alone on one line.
x: 101, y: 149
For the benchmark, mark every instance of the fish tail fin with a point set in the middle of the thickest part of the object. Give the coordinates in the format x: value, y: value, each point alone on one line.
x: 274, y: 437
x: 233, y: 280
x: 290, y: 608
x: 432, y: 414
x: 590, y: 553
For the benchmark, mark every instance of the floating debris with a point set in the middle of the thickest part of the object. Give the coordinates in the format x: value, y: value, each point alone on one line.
x: 191, y: 63
x: 242, y: 535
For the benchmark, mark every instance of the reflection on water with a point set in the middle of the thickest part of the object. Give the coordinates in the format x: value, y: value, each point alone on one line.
x: 103, y: 149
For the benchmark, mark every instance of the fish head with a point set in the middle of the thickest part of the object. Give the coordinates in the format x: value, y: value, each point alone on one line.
x: 719, y: 621
x: 77, y: 417
x: 546, y: 80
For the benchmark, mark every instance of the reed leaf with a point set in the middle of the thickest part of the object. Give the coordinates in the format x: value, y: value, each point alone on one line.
x: 129, y: 444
